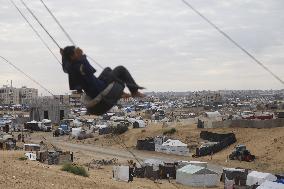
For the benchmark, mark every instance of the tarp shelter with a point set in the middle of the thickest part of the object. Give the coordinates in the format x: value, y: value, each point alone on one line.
x: 121, y: 173
x: 139, y: 124
x: 198, y: 163
x: 76, y: 132
x: 31, y: 156
x: 173, y: 147
x: 232, y: 176
x: 197, y: 176
x: 31, y: 147
x: 212, y: 114
x: 146, y: 144
x: 155, y: 162
x: 258, y: 178
x: 271, y: 185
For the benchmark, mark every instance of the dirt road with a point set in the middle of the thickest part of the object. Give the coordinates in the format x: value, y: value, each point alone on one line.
x: 86, y: 152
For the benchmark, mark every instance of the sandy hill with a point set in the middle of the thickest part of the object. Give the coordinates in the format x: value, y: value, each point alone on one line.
x: 266, y: 144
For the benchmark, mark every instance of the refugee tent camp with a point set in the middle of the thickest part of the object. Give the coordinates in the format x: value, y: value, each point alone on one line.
x: 271, y: 185
x: 256, y: 177
x: 121, y: 173
x: 192, y: 175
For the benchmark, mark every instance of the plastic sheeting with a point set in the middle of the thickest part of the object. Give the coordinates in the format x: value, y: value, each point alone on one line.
x: 76, y: 131
x: 271, y: 185
x: 121, y: 173
x: 256, y: 177
x: 31, y: 156
x: 191, y: 175
x: 139, y: 124
x: 173, y: 147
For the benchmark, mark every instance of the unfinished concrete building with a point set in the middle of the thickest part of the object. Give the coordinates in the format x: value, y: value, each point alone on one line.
x: 48, y: 108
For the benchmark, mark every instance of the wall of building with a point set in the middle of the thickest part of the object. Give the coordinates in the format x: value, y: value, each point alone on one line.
x: 12, y: 95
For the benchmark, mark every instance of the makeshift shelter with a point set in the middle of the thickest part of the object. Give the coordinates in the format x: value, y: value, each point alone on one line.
x: 214, y: 115
x: 198, y: 163
x: 121, y: 173
x: 197, y: 176
x: 31, y: 147
x: 139, y: 124
x: 173, y: 147
x: 103, y: 129
x: 232, y: 176
x: 76, y: 132
x: 31, y: 156
x: 7, y: 142
x: 155, y: 162
x: 146, y: 144
x: 257, y: 178
x: 168, y: 170
x: 152, y: 168
x: 271, y: 185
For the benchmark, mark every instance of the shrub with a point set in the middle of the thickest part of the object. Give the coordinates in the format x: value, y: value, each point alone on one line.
x: 22, y: 158
x: 77, y: 170
x: 170, y: 131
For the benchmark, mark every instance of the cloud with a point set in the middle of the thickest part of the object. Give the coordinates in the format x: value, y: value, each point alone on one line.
x: 164, y: 44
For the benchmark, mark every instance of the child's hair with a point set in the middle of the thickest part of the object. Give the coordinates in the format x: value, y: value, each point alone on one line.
x: 68, y: 52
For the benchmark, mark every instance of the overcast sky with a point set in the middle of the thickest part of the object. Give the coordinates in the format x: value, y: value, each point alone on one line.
x: 165, y: 45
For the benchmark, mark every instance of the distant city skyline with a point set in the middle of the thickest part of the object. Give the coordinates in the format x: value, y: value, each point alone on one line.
x: 164, y: 44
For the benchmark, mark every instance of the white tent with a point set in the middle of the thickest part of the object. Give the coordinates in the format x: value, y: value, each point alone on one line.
x: 31, y: 156
x: 212, y: 114
x: 198, y: 163
x: 156, y: 162
x: 121, y: 173
x: 271, y: 185
x: 76, y: 131
x: 256, y: 177
x: 139, y: 124
x: 173, y: 147
x: 197, y: 176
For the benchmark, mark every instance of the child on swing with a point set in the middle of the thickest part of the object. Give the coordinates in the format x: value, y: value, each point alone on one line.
x: 81, y: 75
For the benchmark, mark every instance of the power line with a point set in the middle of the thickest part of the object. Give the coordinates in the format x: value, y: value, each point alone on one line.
x: 34, y: 16
x: 233, y: 41
x: 65, y: 32
x: 28, y: 76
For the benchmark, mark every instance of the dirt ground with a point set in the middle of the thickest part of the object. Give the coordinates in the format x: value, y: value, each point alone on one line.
x: 266, y: 144
x: 16, y: 174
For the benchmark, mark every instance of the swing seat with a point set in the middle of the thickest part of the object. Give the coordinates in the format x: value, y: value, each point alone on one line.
x: 108, y: 98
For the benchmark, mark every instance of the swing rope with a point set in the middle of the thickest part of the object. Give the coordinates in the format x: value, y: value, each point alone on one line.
x: 35, y: 31
x: 233, y: 41
x: 58, y: 23
x: 65, y: 32
x: 42, y: 26
x: 27, y: 75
